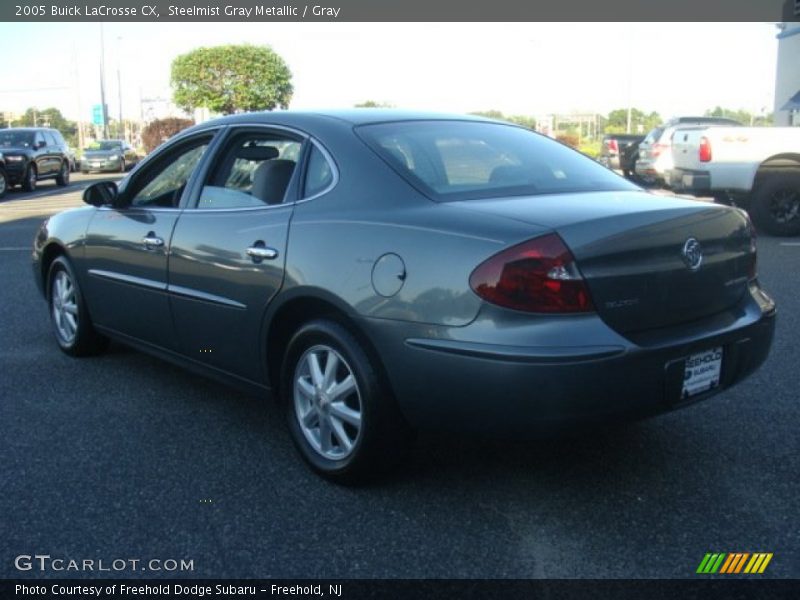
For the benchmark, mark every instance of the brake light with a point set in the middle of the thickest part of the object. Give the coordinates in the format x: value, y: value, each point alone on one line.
x: 657, y: 149
x: 705, y: 150
x: 613, y: 145
x: 539, y: 275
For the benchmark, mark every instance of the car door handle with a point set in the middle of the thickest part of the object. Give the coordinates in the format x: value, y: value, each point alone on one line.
x: 151, y: 240
x: 259, y: 252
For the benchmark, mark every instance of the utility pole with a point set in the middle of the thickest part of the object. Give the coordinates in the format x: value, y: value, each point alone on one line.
x: 78, y: 95
x: 119, y: 86
x: 103, y: 81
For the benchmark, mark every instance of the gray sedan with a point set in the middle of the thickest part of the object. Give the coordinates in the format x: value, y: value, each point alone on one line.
x: 383, y: 272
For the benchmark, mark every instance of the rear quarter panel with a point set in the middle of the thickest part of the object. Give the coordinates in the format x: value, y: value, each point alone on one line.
x: 336, y: 239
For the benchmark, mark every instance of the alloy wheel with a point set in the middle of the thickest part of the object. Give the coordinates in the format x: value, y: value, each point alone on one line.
x: 65, y: 307
x: 785, y: 205
x: 327, y: 402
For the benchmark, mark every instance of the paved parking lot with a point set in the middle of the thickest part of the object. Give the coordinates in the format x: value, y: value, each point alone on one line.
x: 122, y: 456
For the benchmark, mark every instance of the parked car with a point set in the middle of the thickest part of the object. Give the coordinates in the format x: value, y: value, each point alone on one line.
x: 108, y: 155
x: 33, y: 154
x: 757, y: 168
x: 655, y: 152
x: 619, y: 152
x: 3, y: 177
x: 73, y: 159
x: 383, y: 271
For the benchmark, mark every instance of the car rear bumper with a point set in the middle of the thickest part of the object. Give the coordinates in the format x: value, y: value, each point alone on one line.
x: 647, y: 169
x: 685, y: 180
x: 478, y: 386
x: 610, y: 161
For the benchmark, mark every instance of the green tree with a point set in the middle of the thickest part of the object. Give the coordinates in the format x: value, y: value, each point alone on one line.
x: 522, y: 120
x: 745, y: 117
x: 229, y: 79
x: 373, y: 104
x: 641, y: 121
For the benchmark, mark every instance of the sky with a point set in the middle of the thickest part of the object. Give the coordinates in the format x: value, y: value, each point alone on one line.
x: 517, y: 68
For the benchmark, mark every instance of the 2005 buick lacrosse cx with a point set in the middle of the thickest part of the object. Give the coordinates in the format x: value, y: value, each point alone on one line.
x: 385, y: 271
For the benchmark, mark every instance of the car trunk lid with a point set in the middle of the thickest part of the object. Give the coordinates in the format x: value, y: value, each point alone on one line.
x: 638, y: 252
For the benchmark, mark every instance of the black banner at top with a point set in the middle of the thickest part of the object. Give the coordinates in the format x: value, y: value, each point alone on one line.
x: 405, y: 10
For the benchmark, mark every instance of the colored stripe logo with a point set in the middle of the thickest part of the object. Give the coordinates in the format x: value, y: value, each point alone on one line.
x: 734, y: 562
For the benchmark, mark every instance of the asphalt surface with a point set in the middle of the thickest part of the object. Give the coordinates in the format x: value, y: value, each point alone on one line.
x: 125, y: 457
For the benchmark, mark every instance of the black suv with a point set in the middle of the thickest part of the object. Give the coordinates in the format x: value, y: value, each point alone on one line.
x: 3, y: 177
x: 32, y: 154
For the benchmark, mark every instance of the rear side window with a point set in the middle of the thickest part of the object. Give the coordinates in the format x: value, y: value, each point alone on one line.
x: 462, y: 160
x: 319, y: 173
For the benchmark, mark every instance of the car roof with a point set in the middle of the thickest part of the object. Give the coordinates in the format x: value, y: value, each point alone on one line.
x: 352, y: 116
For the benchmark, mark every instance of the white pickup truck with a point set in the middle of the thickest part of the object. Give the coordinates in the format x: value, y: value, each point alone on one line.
x: 756, y: 168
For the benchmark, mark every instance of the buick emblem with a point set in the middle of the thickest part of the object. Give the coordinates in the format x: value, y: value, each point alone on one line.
x: 692, y: 254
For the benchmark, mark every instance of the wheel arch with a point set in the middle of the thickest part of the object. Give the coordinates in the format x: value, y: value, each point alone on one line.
x: 299, y: 306
x: 777, y: 165
x: 49, y: 253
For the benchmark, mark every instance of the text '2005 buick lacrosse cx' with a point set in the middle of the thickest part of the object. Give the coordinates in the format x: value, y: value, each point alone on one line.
x: 383, y: 272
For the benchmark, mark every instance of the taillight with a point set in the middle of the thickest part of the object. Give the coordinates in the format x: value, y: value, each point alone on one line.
x: 613, y: 146
x: 539, y: 275
x: 705, y: 150
x: 657, y: 149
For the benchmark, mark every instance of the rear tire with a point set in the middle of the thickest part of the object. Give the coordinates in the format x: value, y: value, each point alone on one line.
x: 62, y: 178
x: 31, y: 178
x: 72, y: 325
x: 341, y: 415
x: 775, y: 205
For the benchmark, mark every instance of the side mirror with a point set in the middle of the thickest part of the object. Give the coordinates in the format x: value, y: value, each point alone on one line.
x: 102, y: 193
x: 41, y: 144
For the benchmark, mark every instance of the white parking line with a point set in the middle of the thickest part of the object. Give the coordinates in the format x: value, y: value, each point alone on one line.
x: 790, y: 243
x: 13, y: 249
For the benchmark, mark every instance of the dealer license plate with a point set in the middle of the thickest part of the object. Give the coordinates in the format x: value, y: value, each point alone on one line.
x: 701, y: 372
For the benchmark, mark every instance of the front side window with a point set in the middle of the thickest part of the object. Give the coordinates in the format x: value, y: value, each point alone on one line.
x: 463, y: 160
x: 163, y: 183
x: 253, y: 170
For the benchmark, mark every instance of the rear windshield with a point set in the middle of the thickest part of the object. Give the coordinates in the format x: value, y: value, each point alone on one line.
x: 463, y: 160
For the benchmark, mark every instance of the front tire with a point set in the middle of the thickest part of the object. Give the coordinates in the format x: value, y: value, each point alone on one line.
x: 342, y: 417
x: 775, y: 206
x: 62, y: 178
x: 3, y: 183
x: 31, y: 177
x: 72, y: 326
